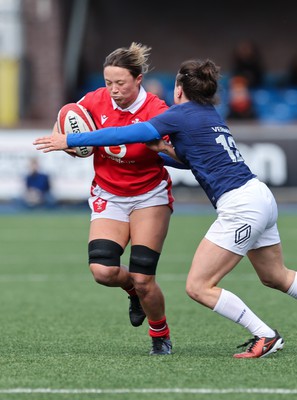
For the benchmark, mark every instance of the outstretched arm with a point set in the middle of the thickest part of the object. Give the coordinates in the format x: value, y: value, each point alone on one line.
x: 134, y: 133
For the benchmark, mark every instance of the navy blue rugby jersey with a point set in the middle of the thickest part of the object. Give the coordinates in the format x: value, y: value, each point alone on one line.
x: 203, y: 141
x: 201, y: 138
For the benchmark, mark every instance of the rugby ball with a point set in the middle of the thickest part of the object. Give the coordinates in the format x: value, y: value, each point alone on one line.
x: 74, y: 118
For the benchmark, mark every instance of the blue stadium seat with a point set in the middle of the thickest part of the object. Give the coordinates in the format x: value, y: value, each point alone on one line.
x: 275, y: 105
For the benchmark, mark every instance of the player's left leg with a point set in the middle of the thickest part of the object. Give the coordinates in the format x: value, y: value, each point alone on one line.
x: 269, y: 265
x: 148, y: 229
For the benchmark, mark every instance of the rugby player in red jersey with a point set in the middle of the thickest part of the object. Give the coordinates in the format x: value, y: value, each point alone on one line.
x: 131, y: 199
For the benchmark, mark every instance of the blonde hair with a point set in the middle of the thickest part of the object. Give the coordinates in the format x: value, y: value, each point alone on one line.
x: 134, y: 58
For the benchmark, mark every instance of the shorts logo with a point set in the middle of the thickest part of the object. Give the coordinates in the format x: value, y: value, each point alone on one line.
x: 242, y: 234
x: 99, y: 205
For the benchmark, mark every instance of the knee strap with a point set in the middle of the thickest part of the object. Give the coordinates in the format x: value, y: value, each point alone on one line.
x: 105, y: 252
x: 143, y: 260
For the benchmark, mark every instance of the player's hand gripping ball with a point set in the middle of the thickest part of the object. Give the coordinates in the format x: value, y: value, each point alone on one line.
x: 74, y: 118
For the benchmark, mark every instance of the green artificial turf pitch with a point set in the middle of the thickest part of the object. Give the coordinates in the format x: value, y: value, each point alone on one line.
x: 65, y: 337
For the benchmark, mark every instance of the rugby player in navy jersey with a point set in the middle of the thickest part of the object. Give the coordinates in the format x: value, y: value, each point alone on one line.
x: 247, y: 212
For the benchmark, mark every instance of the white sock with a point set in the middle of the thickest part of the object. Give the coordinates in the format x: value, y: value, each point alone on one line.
x: 232, y: 307
x: 293, y: 288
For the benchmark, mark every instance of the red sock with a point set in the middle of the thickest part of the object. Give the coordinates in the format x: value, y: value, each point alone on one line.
x: 131, y: 292
x: 159, y: 328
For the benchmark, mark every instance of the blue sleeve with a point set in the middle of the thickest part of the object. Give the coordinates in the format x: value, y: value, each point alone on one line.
x: 171, y: 162
x: 135, y: 133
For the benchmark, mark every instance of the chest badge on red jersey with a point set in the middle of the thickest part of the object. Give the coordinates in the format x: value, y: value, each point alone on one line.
x: 103, y: 119
x: 99, y: 205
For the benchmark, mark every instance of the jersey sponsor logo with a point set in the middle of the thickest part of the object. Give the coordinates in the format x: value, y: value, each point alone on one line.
x: 103, y: 119
x: 99, y: 205
x: 116, y: 151
x: 242, y: 234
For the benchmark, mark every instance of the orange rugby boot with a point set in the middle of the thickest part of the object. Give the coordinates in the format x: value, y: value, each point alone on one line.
x: 261, y: 346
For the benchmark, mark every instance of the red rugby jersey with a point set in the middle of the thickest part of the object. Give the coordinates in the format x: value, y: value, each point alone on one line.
x: 126, y: 170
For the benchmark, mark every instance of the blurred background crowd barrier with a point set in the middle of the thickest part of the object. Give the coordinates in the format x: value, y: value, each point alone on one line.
x: 270, y: 151
x: 52, y: 52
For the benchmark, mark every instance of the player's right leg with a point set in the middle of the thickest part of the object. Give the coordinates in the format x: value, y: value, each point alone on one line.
x: 210, y: 264
x: 109, y: 236
x: 107, y: 241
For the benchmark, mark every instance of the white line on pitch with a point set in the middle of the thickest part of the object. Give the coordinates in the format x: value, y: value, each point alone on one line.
x: 152, y: 390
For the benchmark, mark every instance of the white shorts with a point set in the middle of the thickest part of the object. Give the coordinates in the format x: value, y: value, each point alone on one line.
x: 107, y: 205
x: 247, y: 219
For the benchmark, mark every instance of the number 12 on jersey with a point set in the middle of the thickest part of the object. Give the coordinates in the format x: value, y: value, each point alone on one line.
x: 229, y: 145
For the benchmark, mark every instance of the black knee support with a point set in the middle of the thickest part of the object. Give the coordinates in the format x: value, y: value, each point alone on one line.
x: 105, y: 252
x: 143, y: 260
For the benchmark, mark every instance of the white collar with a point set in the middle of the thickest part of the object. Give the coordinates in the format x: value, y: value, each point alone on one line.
x: 134, y: 106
